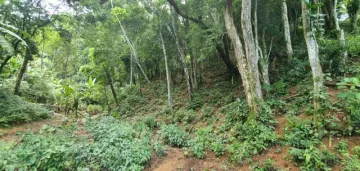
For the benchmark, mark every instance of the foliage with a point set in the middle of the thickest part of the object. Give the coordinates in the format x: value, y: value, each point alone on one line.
x: 313, y: 158
x: 341, y: 147
x: 351, y: 163
x: 185, y: 116
x: 256, y: 138
x: 267, y: 165
x: 16, y: 110
x: 115, y: 146
x: 207, y: 111
x: 351, y: 96
x: 174, y: 136
x: 301, y: 134
x: 207, y: 139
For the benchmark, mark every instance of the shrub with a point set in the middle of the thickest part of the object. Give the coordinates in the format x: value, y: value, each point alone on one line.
x: 256, y: 137
x: 207, y: 111
x: 196, y: 101
x: 206, y: 139
x: 174, y: 136
x: 341, y: 147
x: 159, y: 149
x: 351, y: 163
x: 267, y: 165
x: 94, y: 109
x: 151, y: 122
x: 16, y: 110
x: 313, y: 158
x: 356, y: 151
x: 301, y: 134
x: 235, y: 112
x: 185, y: 116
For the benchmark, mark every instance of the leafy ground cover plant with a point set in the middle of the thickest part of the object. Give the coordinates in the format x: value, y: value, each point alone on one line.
x: 312, y: 158
x: 16, y: 110
x: 174, y: 136
x: 112, y: 146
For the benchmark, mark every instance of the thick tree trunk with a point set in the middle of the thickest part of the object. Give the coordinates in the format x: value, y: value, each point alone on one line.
x: 331, y: 16
x: 289, y: 49
x: 244, y: 67
x: 313, y: 53
x: 182, y: 58
x: 168, y: 79
x: 22, y: 72
x: 250, y: 49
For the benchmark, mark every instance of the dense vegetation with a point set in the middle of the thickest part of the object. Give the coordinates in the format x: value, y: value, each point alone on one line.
x: 128, y: 84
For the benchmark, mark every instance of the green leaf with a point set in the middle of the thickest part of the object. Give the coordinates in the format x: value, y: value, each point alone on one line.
x: 357, y: 95
x: 6, y: 45
x: 4, y: 30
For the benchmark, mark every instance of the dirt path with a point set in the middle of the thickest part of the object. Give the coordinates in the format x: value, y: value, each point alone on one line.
x: 10, y: 134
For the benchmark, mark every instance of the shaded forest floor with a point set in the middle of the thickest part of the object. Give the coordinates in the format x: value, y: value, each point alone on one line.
x: 217, y: 91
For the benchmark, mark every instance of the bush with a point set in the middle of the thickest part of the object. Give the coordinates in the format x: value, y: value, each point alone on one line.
x: 207, y: 111
x: 313, y: 158
x: 206, y: 139
x: 341, y: 147
x: 185, y: 116
x: 256, y: 137
x: 16, y: 110
x: 174, y: 136
x: 268, y: 165
x: 351, y: 163
x: 94, y: 109
x: 301, y: 134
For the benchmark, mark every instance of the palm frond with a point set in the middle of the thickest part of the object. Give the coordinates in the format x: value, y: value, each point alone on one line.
x: 4, y: 43
x: 4, y: 30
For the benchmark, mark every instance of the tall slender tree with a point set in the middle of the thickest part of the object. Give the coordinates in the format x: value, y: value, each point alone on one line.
x: 313, y: 54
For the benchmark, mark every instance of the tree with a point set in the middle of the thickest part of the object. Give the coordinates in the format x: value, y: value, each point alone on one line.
x: 168, y: 79
x: 287, y: 35
x: 313, y: 54
x: 247, y: 62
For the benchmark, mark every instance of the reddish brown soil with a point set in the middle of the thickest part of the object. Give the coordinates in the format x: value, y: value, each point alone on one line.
x: 10, y: 134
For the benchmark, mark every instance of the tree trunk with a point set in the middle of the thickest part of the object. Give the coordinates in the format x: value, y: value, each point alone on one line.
x: 289, y: 49
x: 131, y: 46
x: 331, y: 17
x: 168, y: 79
x: 111, y: 84
x: 4, y: 63
x: 250, y: 49
x: 244, y: 67
x: 219, y: 48
x: 131, y: 69
x: 22, y: 72
x: 264, y: 61
x: 341, y: 35
x: 313, y: 53
x: 182, y: 58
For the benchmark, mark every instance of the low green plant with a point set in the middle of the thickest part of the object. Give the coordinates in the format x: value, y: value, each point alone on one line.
x: 351, y: 163
x: 159, y: 149
x: 16, y: 110
x: 267, y: 165
x: 151, y: 122
x: 207, y: 111
x: 301, y: 134
x: 313, y: 158
x: 174, y: 136
x: 356, y: 151
x: 185, y: 116
x: 351, y: 97
x: 341, y: 147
